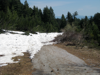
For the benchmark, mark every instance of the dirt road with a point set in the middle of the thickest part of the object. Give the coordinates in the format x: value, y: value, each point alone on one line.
x: 51, y: 60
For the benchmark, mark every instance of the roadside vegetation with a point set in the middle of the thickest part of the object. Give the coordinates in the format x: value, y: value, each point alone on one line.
x: 84, y: 32
x: 17, y: 16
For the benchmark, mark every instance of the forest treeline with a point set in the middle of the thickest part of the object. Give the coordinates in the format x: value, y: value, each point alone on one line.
x: 17, y: 16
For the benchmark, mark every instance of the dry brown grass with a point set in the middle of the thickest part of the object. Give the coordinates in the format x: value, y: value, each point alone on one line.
x: 90, y: 56
x: 24, y: 67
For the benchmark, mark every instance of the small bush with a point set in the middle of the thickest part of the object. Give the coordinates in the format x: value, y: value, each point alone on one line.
x: 1, y: 31
x: 70, y: 36
x: 26, y: 33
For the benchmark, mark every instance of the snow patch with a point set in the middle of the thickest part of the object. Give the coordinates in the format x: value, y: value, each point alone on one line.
x: 12, y: 45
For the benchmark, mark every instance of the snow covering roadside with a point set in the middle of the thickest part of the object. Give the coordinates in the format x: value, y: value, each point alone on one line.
x: 12, y: 45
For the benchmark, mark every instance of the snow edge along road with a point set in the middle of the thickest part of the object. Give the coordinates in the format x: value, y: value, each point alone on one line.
x: 12, y: 45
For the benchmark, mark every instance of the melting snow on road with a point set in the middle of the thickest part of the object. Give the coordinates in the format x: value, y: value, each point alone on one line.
x: 12, y: 45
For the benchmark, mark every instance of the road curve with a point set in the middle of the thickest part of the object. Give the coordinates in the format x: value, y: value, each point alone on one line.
x: 51, y: 60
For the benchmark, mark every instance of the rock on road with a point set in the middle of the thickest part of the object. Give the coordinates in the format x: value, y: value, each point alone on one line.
x: 51, y: 60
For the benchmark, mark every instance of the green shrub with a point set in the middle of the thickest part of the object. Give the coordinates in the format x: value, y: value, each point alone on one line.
x: 26, y: 33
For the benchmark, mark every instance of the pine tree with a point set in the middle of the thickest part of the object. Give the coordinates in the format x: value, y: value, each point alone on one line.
x: 4, y: 4
x: 74, y: 15
x: 46, y: 14
x: 63, y: 21
x: 26, y: 11
x: 96, y: 19
x: 69, y: 18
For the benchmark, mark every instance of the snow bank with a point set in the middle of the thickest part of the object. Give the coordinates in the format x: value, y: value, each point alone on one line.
x: 12, y: 45
x: 16, y: 32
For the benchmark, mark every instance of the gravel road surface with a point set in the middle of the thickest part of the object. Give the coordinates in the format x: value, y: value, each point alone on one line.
x: 51, y: 60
